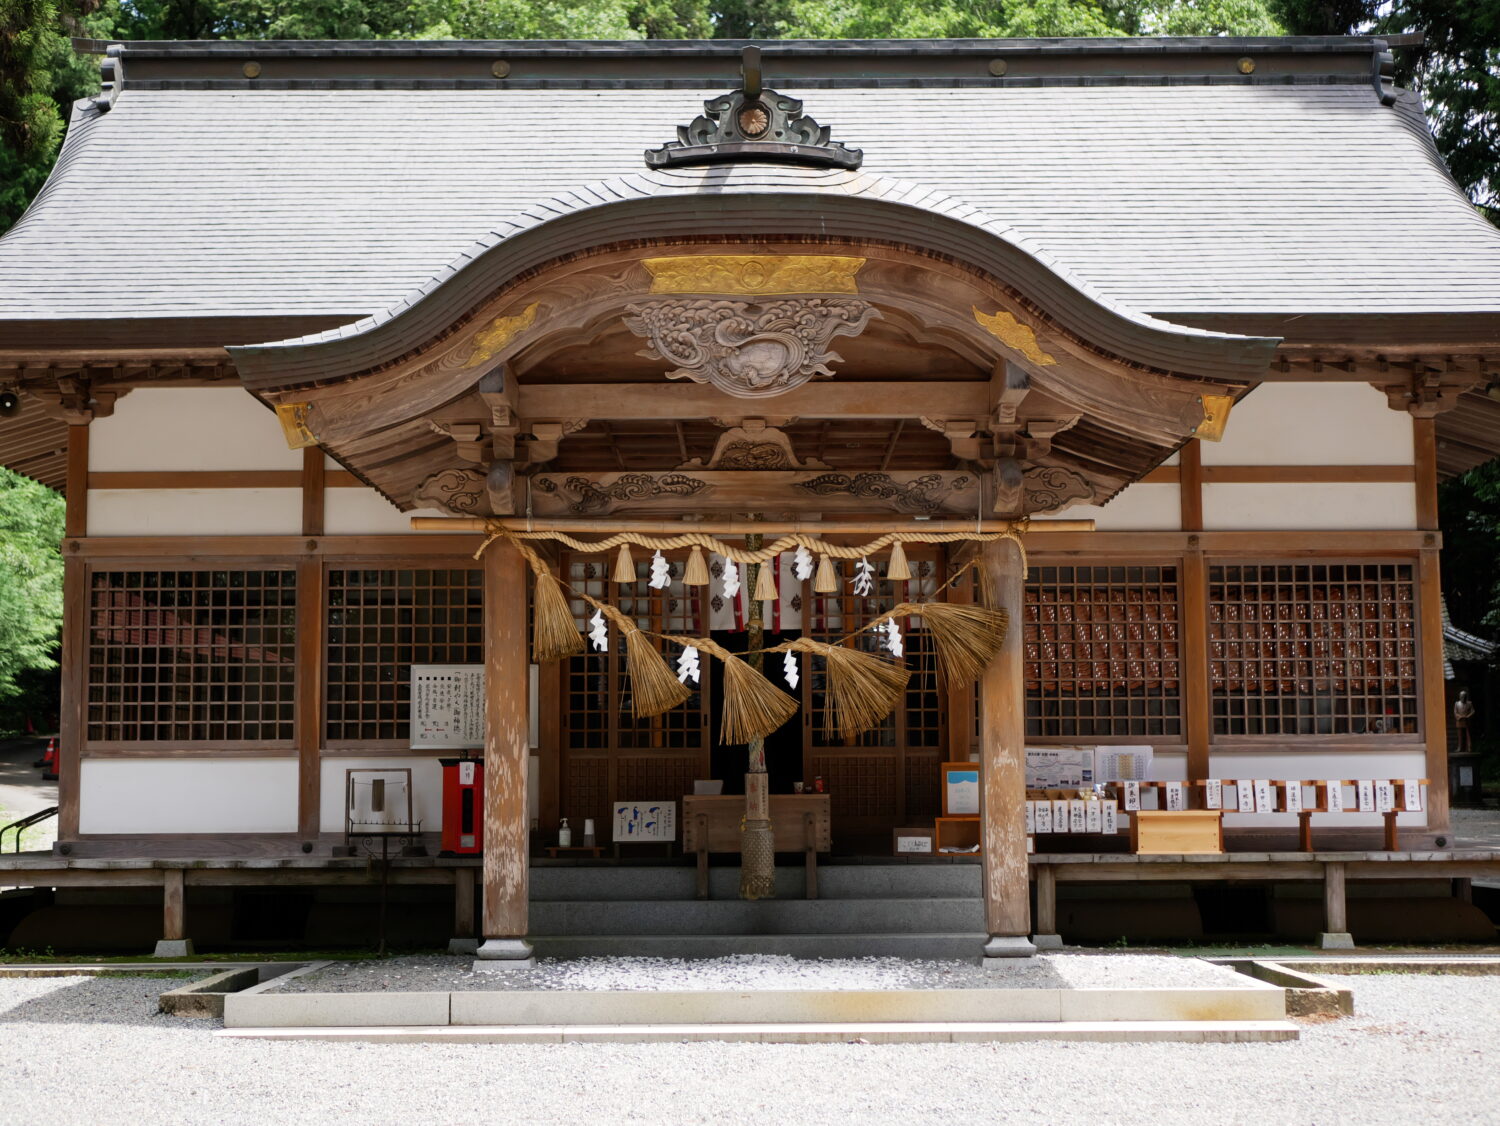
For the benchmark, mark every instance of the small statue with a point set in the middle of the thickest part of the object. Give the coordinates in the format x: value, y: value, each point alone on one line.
x: 1463, y: 711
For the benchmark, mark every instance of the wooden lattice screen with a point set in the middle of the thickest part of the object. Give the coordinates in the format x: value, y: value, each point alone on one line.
x: 380, y: 623
x: 1313, y: 649
x: 190, y: 656
x: 1102, y: 652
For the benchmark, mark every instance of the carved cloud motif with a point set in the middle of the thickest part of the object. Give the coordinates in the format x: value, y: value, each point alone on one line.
x: 745, y: 348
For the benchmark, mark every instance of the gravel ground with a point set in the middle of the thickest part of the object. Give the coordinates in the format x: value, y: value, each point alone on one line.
x: 760, y: 971
x: 93, y: 1052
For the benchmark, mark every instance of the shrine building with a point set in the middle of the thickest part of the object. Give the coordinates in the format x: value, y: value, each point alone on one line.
x: 1157, y: 348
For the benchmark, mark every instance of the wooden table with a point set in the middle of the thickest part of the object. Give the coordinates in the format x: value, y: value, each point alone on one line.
x: 799, y: 822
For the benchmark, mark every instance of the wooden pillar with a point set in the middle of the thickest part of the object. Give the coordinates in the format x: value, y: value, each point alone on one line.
x: 1196, y: 703
x: 1335, y: 907
x: 174, y: 940
x: 1002, y: 742
x: 1046, y: 901
x: 463, y: 903
x: 506, y: 751
x: 1190, y: 485
x: 308, y: 718
x: 314, y: 481
x: 74, y: 657
x: 1430, y: 629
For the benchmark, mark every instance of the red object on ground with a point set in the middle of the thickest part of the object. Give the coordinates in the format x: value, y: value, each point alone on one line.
x: 49, y: 762
x: 463, y: 806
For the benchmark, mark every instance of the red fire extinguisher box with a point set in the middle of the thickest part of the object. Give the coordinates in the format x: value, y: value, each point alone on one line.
x: 463, y: 801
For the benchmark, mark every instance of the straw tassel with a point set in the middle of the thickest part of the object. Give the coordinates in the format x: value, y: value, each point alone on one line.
x: 554, y: 631
x: 765, y: 582
x: 753, y: 706
x: 624, y: 566
x: 654, y: 687
x: 862, y: 688
x: 825, y: 581
x: 898, y: 570
x: 966, y: 637
x: 696, y: 573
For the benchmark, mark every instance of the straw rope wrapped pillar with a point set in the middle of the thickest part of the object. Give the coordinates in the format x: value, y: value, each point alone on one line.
x: 506, y: 750
x: 1002, y: 743
x: 758, y: 839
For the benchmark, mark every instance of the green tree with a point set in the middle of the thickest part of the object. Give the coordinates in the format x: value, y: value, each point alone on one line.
x: 31, y: 529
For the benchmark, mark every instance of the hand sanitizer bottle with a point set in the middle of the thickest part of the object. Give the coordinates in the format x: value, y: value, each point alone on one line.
x: 564, y: 835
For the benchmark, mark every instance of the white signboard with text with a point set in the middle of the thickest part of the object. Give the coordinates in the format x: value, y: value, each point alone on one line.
x: 447, y: 707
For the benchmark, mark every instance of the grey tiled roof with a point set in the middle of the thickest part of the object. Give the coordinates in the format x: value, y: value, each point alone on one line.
x: 1163, y: 199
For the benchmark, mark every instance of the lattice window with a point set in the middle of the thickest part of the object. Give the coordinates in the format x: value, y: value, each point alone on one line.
x: 192, y: 656
x: 380, y: 623
x: 599, y: 711
x: 1313, y: 649
x: 1102, y: 655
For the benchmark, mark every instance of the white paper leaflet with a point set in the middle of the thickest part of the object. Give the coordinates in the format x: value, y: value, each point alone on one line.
x: 1335, y: 791
x: 687, y: 665
x: 1132, y: 795
x: 1366, y: 791
x: 1264, y: 803
x: 802, y: 564
x: 1385, y: 797
x: 1294, y: 797
x: 1109, y: 816
x: 1078, y: 817
x: 1175, y: 801
x: 661, y: 572
x: 729, y: 582
x: 1062, y: 816
x: 893, y: 640
x: 1411, y: 793
x: 789, y: 669
x: 1043, y: 816
x: 1031, y: 817
x: 1244, y: 796
x: 599, y: 632
x: 864, y: 578
x: 1093, y: 817
x: 1213, y: 794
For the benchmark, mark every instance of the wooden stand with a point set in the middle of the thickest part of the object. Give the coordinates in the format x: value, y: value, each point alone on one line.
x: 1155, y: 831
x: 957, y: 832
x: 800, y: 822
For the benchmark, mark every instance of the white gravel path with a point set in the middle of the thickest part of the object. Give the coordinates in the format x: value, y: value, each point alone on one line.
x: 1423, y: 1049
x: 770, y: 971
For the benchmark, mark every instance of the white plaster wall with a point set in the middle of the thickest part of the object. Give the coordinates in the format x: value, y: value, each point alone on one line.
x: 1309, y: 765
x: 426, y: 782
x: 195, y: 512
x: 196, y: 795
x: 364, y: 512
x: 198, y: 428
x: 1138, y: 508
x: 1322, y: 507
x: 1313, y: 424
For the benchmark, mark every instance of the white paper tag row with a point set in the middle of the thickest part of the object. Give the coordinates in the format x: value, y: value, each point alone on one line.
x: 1244, y: 794
x: 1411, y: 793
x: 1263, y: 801
x: 1333, y: 791
x: 1294, y: 797
x: 1385, y: 797
x: 1043, y: 816
x: 1132, y: 795
x: 1213, y: 794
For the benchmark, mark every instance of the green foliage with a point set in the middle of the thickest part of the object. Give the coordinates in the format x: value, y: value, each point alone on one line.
x: 1469, y: 514
x: 31, y: 528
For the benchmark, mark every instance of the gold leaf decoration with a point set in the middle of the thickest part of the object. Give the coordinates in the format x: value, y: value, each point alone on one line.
x: 293, y: 419
x: 1013, y: 334
x: 753, y: 274
x: 1215, y: 417
x: 488, y: 342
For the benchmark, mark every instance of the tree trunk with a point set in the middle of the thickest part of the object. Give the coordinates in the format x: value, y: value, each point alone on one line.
x: 758, y: 840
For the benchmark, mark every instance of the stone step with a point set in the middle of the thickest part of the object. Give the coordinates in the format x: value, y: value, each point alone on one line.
x: 835, y: 881
x: 961, y: 945
x: 1116, y: 1031
x: 762, y: 917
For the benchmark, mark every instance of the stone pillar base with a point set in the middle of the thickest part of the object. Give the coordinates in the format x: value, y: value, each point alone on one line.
x: 1336, y: 940
x: 1001, y: 948
x: 174, y: 948
x: 499, y: 955
x: 463, y: 946
x: 1047, y: 941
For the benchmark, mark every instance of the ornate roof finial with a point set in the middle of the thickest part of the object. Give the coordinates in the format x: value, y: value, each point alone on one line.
x: 753, y: 123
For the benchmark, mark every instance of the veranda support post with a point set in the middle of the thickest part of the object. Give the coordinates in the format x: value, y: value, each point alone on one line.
x: 1007, y: 911
x: 506, y: 749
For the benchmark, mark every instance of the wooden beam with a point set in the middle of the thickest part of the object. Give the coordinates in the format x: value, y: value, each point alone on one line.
x: 506, y: 692
x: 76, y: 516
x: 1305, y: 474
x: 625, y: 402
x: 1434, y: 700
x: 463, y: 903
x: 308, y: 717
x: 173, y: 906
x: 1190, y: 485
x: 1335, y: 906
x: 203, y: 478
x: 1002, y: 744
x: 863, y: 526
x: 314, y: 482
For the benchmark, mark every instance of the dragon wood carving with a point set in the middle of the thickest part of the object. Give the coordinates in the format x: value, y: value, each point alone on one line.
x: 924, y: 496
x: 744, y: 348
x: 586, y: 497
